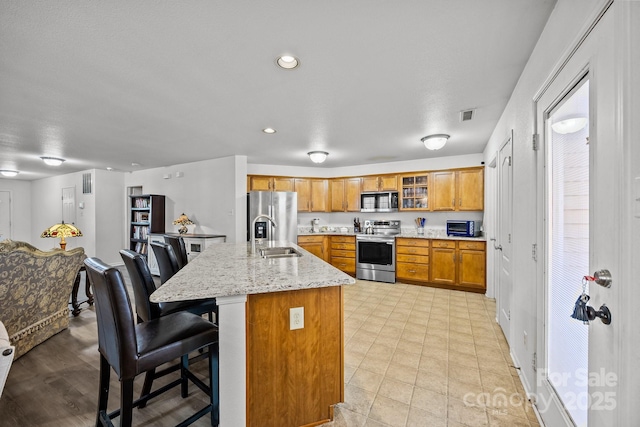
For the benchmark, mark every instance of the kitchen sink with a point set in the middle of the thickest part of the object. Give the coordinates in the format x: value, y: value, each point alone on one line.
x: 281, y: 252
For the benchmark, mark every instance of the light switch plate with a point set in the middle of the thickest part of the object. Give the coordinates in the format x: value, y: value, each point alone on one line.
x: 296, y: 318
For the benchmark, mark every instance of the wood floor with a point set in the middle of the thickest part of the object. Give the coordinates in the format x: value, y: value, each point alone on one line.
x: 56, y: 384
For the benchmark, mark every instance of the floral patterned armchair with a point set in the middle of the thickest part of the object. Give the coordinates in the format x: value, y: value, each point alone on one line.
x: 34, y: 291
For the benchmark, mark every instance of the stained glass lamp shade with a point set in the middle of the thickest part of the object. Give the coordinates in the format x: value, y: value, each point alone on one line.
x: 62, y: 231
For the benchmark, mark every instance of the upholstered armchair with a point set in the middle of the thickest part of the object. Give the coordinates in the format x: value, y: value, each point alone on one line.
x: 34, y: 291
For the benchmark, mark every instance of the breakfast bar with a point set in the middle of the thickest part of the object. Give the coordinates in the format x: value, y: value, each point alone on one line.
x: 278, y: 366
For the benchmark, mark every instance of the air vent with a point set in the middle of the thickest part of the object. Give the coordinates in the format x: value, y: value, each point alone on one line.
x: 467, y: 115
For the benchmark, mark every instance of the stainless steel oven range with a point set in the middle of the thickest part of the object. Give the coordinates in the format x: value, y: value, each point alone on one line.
x: 376, y: 251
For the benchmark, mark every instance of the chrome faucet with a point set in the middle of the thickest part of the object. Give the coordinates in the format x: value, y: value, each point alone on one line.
x: 253, y: 229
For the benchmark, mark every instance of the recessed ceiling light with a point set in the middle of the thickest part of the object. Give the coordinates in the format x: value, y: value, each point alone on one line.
x: 287, y: 62
x: 52, y: 161
x: 109, y: 168
x: 269, y: 130
x: 7, y: 172
x: 135, y: 164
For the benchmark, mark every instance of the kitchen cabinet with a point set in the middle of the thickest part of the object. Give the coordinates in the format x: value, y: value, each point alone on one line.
x: 415, y: 192
x: 412, y: 260
x: 380, y: 183
x: 459, y: 190
x: 270, y: 183
x: 343, y: 253
x: 459, y: 264
x: 345, y: 194
x: 313, y: 194
x: 317, y: 245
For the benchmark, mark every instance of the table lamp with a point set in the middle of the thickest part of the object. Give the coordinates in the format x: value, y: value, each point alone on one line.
x: 183, y: 220
x: 62, y: 231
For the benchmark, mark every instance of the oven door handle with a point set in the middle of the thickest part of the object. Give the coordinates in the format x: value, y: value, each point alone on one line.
x: 376, y: 241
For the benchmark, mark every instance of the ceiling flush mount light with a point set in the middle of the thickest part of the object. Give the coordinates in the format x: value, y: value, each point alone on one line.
x: 7, y: 172
x: 571, y: 125
x: 269, y: 130
x: 435, y: 142
x: 52, y: 161
x: 318, y: 156
x: 287, y: 62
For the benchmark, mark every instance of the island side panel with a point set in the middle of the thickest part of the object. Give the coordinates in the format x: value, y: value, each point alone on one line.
x: 294, y: 377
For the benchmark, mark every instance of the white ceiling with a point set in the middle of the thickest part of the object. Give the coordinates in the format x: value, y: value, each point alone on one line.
x: 104, y: 84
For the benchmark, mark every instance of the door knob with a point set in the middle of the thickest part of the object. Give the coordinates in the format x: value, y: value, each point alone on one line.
x: 603, y: 278
x: 604, y: 314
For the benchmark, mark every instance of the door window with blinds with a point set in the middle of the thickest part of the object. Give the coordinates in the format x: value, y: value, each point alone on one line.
x: 568, y: 254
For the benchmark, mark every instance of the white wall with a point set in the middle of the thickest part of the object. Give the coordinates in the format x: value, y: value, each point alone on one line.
x: 563, y: 27
x: 20, y: 208
x: 46, y: 196
x: 209, y: 192
x: 109, y: 191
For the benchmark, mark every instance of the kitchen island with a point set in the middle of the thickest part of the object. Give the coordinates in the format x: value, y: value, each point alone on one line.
x: 271, y: 375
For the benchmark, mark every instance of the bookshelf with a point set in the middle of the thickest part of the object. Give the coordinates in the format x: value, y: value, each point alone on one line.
x: 146, y: 215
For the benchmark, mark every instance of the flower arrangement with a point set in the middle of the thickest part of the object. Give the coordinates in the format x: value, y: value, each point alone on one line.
x: 183, y: 220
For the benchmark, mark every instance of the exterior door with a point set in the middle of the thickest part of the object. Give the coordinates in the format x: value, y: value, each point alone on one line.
x: 579, y: 196
x: 504, y: 233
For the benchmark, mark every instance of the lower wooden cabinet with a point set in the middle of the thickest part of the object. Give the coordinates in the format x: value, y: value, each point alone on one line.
x: 452, y: 264
x: 412, y: 260
x: 317, y: 245
x: 459, y: 264
x: 343, y: 253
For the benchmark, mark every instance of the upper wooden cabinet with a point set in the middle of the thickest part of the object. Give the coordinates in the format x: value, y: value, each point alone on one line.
x: 380, y: 183
x: 460, y: 190
x: 313, y: 194
x: 270, y: 183
x: 415, y: 192
x: 345, y: 194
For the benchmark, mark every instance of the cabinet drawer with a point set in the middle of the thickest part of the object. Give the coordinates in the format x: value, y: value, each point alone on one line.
x: 412, y: 271
x: 343, y: 246
x: 412, y: 250
x: 343, y: 239
x: 466, y: 244
x: 310, y: 239
x: 444, y: 244
x: 348, y: 265
x: 418, y: 259
x: 403, y: 241
x: 342, y: 253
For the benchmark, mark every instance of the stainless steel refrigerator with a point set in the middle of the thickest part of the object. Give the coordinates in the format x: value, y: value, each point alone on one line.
x: 282, y: 206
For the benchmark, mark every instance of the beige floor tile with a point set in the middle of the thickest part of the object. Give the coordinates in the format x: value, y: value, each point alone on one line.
x: 343, y: 417
x: 411, y: 360
x: 389, y: 411
x: 373, y: 364
x: 371, y: 327
x: 381, y: 351
x: 465, y: 391
x: 437, y: 332
x: 462, y: 347
x: 430, y: 401
x: 433, y: 381
x: 410, y: 346
x: 460, y: 336
x: 465, y: 414
x: 463, y: 359
x: 396, y: 390
x: 348, y: 372
x: 357, y: 399
x: 373, y: 423
x: 439, y: 351
x: 402, y: 373
x: 365, y: 336
x: 492, y: 381
x: 498, y: 419
x: 433, y: 364
x: 391, y: 342
x: 416, y: 327
x: 391, y: 331
x: 397, y: 324
x: 464, y: 374
x: 421, y: 418
x: 437, y: 323
x: 460, y: 326
x: 436, y: 341
x: 416, y: 337
x: 366, y: 380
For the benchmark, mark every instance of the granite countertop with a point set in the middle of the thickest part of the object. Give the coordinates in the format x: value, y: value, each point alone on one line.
x: 229, y: 269
x: 435, y: 234
x: 187, y: 235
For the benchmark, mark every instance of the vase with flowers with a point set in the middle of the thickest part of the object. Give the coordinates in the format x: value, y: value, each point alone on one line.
x: 183, y: 220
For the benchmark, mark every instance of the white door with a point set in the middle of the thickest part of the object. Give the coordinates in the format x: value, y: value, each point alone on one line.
x: 577, y: 364
x: 69, y: 205
x: 504, y: 245
x: 5, y: 215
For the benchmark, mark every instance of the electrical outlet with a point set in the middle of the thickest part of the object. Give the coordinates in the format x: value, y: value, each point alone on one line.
x: 296, y: 318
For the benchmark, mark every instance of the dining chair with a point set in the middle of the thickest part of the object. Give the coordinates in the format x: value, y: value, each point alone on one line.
x: 179, y: 248
x: 143, y: 286
x: 166, y: 259
x: 131, y: 349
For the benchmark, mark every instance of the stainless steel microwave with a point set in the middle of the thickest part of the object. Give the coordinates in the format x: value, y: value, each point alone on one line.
x: 463, y: 228
x: 379, y: 202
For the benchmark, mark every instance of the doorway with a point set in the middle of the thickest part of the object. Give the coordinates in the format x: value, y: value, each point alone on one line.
x: 504, y: 246
x: 5, y: 215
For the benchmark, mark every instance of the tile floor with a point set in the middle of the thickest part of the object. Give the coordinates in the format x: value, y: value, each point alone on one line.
x: 427, y: 357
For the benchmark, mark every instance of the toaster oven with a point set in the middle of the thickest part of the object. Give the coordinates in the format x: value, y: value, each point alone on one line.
x: 463, y: 228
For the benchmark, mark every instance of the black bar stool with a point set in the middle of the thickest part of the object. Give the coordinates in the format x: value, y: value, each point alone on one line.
x: 180, y: 249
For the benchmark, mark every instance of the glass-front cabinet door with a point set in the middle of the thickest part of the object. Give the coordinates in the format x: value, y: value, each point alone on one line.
x: 415, y: 191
